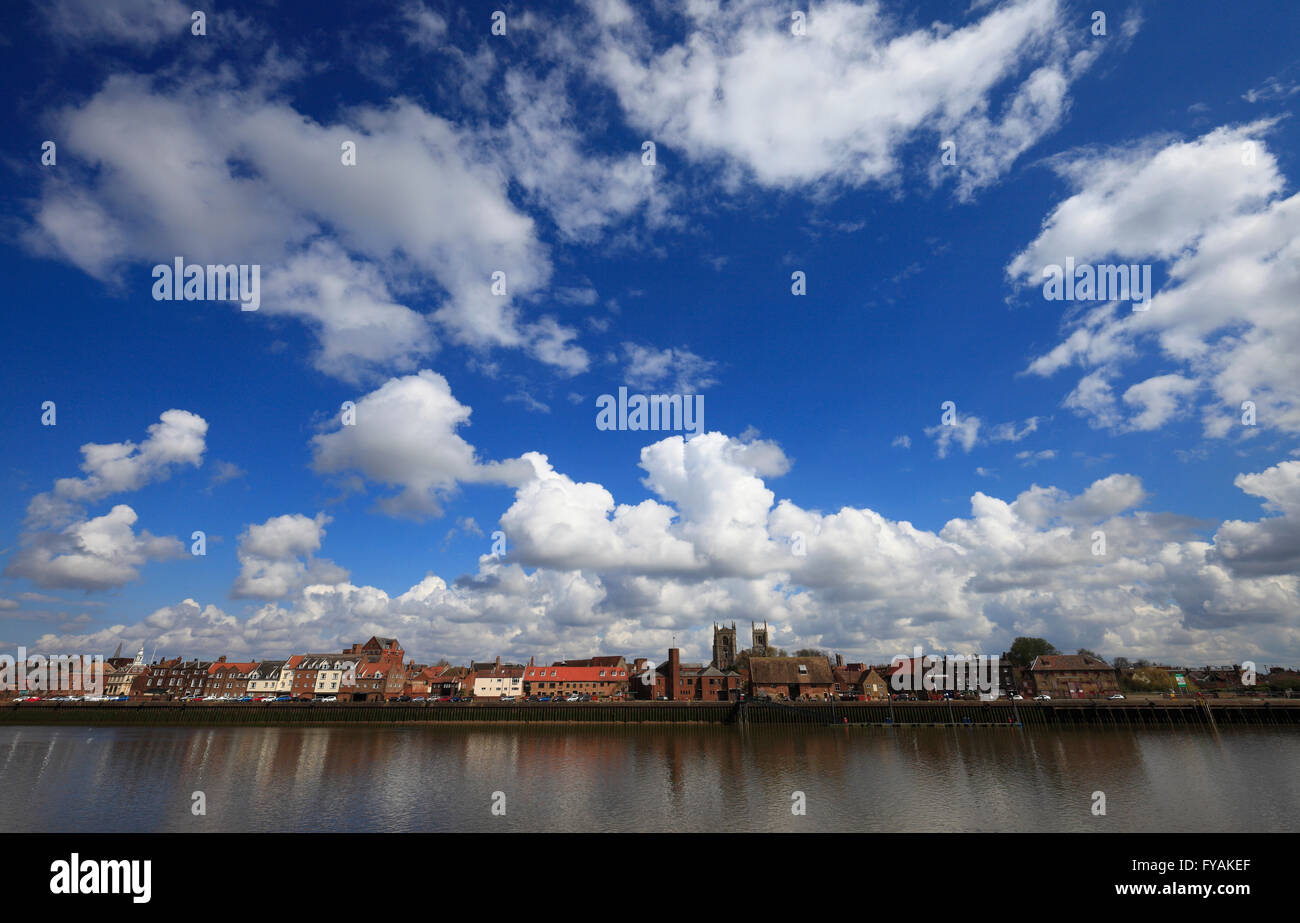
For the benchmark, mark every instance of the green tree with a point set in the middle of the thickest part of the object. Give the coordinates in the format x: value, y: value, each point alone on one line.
x: 1024, y: 650
x: 1084, y: 652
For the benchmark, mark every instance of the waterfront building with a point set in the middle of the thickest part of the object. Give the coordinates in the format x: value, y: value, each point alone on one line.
x: 372, y: 681
x: 498, y: 681
x: 1073, y: 676
x: 121, y: 680
x: 872, y: 686
x: 171, y: 679
x: 319, y: 675
x: 380, y: 670
x: 228, y: 679
x: 684, y: 682
x: 448, y: 682
x: 790, y: 677
x: 420, y: 679
x: 846, y: 677
x: 265, y: 679
x: 566, y: 680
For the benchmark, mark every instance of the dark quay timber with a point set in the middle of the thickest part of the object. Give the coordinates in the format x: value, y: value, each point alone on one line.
x: 1089, y: 713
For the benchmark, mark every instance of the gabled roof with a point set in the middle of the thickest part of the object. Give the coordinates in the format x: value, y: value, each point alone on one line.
x: 327, y: 661
x: 778, y: 670
x: 269, y: 669
x: 240, y: 667
x: 1069, y: 662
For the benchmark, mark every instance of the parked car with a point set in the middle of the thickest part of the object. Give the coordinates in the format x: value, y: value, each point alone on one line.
x: 1042, y: 697
x: 543, y: 698
x: 283, y: 698
x: 444, y: 698
x: 507, y: 698
x: 1117, y: 696
x: 574, y: 698
x: 329, y: 698
x: 419, y: 698
x: 1016, y: 697
x: 245, y: 698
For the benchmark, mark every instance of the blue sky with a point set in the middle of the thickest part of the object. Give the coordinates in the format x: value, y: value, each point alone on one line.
x: 1166, y: 141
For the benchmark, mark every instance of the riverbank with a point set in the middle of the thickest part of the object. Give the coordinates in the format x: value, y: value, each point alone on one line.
x: 1092, y: 713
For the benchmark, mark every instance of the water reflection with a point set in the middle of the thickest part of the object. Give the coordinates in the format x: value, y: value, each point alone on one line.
x: 618, y: 778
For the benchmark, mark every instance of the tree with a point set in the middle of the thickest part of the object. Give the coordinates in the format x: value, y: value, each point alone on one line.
x: 1084, y: 652
x: 809, y: 652
x: 1024, y: 650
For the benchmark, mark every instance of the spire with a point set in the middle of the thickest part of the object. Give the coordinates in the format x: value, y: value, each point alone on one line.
x: 118, y: 653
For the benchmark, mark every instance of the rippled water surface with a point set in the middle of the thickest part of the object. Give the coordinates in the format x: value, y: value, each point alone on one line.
x: 624, y: 778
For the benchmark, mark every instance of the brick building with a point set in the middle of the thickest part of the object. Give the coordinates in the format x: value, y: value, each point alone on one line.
x: 1073, y: 676
x: 847, y: 677
x: 683, y: 682
x: 790, y: 677
x: 565, y: 680
x: 174, y: 679
x: 321, y: 675
x: 872, y: 686
x: 228, y: 679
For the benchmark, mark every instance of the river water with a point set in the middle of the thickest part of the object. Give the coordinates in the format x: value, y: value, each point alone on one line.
x: 647, y: 778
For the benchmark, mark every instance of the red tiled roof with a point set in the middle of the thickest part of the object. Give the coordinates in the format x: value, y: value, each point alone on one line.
x: 574, y: 674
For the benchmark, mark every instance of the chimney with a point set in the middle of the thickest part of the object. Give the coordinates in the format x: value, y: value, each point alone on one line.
x: 674, y: 672
x: 498, y: 666
x: 839, y: 660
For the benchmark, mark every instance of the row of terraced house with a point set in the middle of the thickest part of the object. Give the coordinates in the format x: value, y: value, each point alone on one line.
x: 374, y: 671
x: 379, y: 671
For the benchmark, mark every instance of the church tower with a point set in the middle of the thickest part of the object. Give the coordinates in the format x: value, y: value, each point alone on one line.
x: 760, y: 639
x: 724, y: 646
